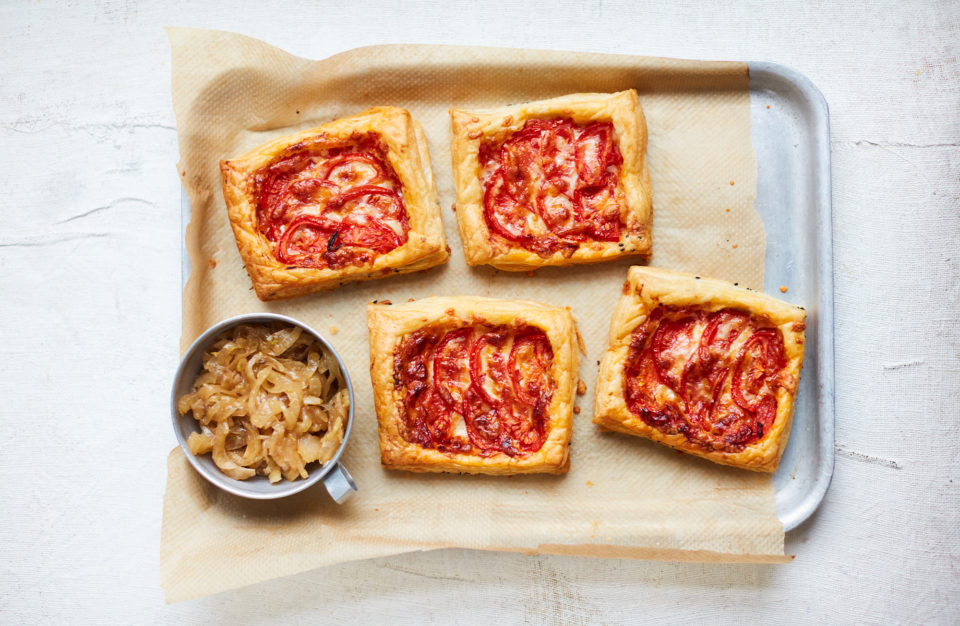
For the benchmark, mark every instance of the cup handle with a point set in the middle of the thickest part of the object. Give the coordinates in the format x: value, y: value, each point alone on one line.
x: 339, y: 483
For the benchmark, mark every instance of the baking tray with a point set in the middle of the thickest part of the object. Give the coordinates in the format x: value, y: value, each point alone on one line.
x: 791, y: 140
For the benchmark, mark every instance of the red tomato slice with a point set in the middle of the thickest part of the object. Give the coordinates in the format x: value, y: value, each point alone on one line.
x: 364, y: 212
x: 370, y: 198
x: 410, y: 361
x: 278, y: 176
x: 673, y: 343
x: 364, y: 231
x: 558, y: 156
x: 640, y: 375
x: 303, y: 237
x: 431, y: 424
x: 520, y: 165
x: 723, y: 328
x: 560, y: 213
x: 600, y: 211
x: 530, y: 360
x: 503, y: 213
x: 492, y: 368
x: 760, y: 358
x: 480, y: 380
x: 451, y: 367
x: 310, y: 190
x: 353, y: 169
x: 482, y: 420
x: 706, y: 370
x: 596, y: 150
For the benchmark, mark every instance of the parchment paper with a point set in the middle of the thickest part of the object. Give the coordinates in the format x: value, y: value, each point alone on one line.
x: 624, y: 496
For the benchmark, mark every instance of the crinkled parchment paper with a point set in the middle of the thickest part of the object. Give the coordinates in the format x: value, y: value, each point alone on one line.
x: 624, y: 496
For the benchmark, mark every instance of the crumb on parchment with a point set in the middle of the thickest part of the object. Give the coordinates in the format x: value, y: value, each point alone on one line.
x: 581, y: 387
x: 333, y: 329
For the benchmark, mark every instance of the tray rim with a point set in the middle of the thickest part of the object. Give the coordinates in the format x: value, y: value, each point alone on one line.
x: 793, y: 516
x: 790, y: 516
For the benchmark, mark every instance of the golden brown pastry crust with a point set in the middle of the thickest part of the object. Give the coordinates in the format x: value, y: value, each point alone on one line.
x: 408, y: 155
x: 471, y: 128
x: 647, y: 288
x: 390, y: 324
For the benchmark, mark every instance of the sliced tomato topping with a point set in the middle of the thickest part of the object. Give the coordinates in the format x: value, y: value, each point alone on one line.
x: 723, y: 328
x: 496, y: 380
x: 372, y: 198
x: 432, y: 423
x: 706, y: 371
x: 672, y: 346
x: 760, y: 357
x: 331, y: 209
x: 410, y: 360
x: 557, y: 172
x: 451, y: 367
x: 530, y: 359
x: 303, y: 235
x: 482, y: 421
x: 718, y: 395
x: 561, y: 215
x: 488, y: 366
x: 527, y: 430
x: 596, y: 151
x: 600, y: 212
x: 557, y: 158
x: 366, y: 232
x: 505, y: 215
x: 353, y: 169
x: 641, y: 378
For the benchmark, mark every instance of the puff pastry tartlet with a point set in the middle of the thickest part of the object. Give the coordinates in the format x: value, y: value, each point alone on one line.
x: 553, y: 182
x: 702, y: 366
x: 350, y: 200
x: 476, y: 385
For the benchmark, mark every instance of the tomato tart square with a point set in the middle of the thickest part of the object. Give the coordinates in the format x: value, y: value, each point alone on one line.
x: 702, y: 366
x: 474, y: 385
x: 350, y: 200
x: 553, y: 182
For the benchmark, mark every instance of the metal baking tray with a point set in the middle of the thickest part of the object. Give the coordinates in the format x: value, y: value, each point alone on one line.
x: 791, y: 139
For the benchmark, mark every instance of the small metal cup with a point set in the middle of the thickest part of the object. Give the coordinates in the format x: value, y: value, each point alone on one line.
x: 334, y: 475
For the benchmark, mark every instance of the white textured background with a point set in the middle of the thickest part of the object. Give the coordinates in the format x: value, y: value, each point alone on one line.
x: 90, y: 305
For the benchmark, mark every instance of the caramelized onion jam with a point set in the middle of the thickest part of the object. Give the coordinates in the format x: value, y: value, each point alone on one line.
x: 269, y: 400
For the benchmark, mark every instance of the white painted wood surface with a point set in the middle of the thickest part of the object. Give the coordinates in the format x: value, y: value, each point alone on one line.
x: 90, y: 305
